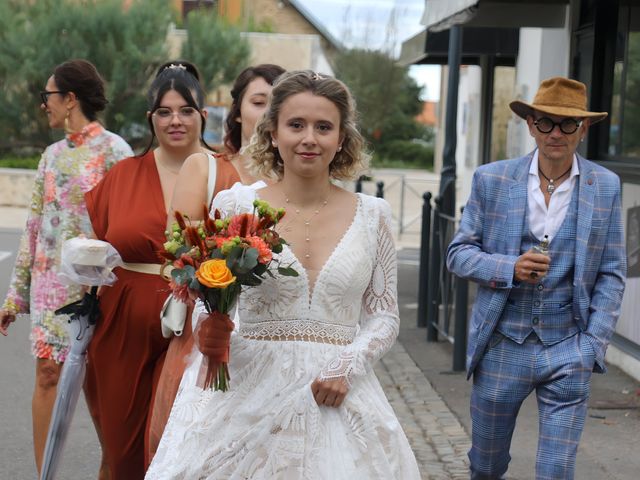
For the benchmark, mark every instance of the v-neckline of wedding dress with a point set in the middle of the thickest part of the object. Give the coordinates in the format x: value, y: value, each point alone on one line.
x: 311, y: 287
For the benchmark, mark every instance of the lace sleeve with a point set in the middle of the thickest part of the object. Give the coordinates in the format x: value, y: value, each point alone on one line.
x: 379, y: 320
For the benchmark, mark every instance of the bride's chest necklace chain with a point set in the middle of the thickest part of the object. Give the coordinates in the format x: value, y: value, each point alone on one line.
x: 304, y: 220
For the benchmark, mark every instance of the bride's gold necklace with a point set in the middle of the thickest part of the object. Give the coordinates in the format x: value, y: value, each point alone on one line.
x: 307, y: 221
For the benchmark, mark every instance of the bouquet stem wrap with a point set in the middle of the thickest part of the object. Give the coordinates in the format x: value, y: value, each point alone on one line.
x: 213, y: 336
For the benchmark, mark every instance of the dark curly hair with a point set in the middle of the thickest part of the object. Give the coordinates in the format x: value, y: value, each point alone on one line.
x: 266, y: 71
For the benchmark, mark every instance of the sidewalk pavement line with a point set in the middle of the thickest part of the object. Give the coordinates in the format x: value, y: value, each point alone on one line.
x: 437, y: 438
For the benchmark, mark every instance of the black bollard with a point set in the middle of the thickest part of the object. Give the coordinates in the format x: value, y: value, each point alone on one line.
x: 433, y: 292
x: 380, y: 189
x: 359, y: 184
x: 423, y: 279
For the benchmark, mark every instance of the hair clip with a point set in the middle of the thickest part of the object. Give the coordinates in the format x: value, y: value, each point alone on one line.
x: 316, y: 76
x: 174, y: 66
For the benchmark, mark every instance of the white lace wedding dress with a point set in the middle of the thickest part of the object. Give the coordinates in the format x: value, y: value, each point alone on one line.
x: 268, y: 425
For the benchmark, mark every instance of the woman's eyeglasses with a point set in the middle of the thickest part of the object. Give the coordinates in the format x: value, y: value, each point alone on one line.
x: 185, y: 114
x: 45, y: 94
x: 567, y: 125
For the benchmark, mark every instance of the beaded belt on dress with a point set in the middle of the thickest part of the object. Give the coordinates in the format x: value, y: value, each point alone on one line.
x: 298, y: 331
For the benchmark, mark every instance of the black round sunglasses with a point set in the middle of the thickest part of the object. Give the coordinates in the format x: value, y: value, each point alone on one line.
x: 567, y: 125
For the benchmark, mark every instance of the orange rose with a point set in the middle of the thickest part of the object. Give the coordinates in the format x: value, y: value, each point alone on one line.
x: 215, y: 274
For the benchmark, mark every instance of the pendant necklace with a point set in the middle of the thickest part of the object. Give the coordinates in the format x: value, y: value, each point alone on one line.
x: 307, y: 221
x: 551, y: 181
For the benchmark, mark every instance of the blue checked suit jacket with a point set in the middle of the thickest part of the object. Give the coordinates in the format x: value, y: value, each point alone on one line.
x: 487, y: 244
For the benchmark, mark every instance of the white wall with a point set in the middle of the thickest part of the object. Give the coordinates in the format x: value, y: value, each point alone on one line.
x: 543, y: 53
x: 468, y: 144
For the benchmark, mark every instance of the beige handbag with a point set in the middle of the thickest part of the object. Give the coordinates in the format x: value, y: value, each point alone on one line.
x: 172, y: 317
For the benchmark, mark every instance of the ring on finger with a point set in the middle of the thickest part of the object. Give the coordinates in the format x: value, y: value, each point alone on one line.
x: 533, y: 274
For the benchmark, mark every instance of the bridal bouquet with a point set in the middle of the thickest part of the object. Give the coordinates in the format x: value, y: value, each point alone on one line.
x: 211, y: 261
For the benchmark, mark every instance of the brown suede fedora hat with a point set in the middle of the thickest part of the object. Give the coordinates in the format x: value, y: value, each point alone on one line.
x: 559, y: 96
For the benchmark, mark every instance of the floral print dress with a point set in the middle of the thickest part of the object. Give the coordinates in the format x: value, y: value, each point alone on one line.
x: 67, y: 170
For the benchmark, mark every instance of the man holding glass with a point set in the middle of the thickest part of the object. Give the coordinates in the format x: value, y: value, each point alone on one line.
x: 542, y: 236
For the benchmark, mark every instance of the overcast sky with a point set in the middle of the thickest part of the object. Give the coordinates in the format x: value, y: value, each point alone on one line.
x: 365, y: 22
x: 377, y: 24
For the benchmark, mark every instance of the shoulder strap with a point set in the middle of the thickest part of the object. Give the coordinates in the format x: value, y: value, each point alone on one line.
x: 211, y: 182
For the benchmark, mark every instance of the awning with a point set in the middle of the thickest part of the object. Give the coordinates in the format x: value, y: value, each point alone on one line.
x: 433, y: 48
x: 442, y: 14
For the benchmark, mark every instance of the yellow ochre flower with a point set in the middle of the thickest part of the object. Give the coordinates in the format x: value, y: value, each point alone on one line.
x: 215, y: 274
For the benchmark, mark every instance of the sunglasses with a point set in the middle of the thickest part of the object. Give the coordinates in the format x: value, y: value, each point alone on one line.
x: 44, y: 95
x: 567, y: 125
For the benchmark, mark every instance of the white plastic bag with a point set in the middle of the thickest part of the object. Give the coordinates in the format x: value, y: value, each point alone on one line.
x: 89, y: 262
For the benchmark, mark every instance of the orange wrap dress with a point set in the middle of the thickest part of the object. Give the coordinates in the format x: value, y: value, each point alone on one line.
x: 126, y: 353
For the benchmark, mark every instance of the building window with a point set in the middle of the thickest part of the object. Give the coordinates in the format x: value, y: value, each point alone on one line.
x: 189, y: 5
x: 624, y: 141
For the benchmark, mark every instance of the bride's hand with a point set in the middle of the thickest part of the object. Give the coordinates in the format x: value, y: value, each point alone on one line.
x: 330, y: 393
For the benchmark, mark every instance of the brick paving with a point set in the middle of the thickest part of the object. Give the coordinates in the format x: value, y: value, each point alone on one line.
x: 439, y: 441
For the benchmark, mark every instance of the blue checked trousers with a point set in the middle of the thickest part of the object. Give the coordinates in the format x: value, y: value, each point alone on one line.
x: 505, y: 376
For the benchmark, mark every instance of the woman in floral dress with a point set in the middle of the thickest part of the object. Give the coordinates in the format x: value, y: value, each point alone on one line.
x: 73, y: 95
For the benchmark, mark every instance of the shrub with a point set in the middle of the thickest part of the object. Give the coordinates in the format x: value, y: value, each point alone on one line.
x: 20, y: 162
x: 404, y: 154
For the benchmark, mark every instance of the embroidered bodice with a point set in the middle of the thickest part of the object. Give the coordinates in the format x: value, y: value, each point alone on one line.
x: 353, y: 302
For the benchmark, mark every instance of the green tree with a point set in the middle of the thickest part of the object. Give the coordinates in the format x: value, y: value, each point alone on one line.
x: 216, y: 47
x: 126, y: 45
x: 388, y: 99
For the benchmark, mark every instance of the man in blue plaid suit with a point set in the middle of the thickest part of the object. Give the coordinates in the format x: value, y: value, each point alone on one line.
x: 543, y: 316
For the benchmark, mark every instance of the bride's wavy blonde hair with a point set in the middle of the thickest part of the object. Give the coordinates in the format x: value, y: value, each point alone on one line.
x: 347, y: 163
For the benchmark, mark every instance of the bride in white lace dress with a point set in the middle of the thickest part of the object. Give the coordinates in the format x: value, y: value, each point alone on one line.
x: 304, y: 402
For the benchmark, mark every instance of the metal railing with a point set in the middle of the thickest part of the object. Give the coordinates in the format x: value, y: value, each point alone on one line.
x: 403, y: 192
x: 442, y: 297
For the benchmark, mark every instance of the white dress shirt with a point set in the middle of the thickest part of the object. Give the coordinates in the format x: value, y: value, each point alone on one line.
x: 542, y: 220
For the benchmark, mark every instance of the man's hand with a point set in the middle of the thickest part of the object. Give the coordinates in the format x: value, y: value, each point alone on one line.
x: 329, y: 393
x: 6, y: 319
x: 531, y: 266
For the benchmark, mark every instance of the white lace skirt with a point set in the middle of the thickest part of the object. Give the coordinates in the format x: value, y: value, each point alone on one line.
x: 268, y: 426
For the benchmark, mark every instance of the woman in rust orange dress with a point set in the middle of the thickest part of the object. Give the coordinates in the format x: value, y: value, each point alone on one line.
x: 128, y: 209
x: 250, y: 94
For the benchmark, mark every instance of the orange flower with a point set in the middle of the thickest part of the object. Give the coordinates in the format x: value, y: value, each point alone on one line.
x: 215, y: 274
x: 242, y: 225
x: 264, y: 252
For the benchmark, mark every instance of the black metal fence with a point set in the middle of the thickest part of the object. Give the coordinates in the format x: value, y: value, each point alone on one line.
x: 442, y: 296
